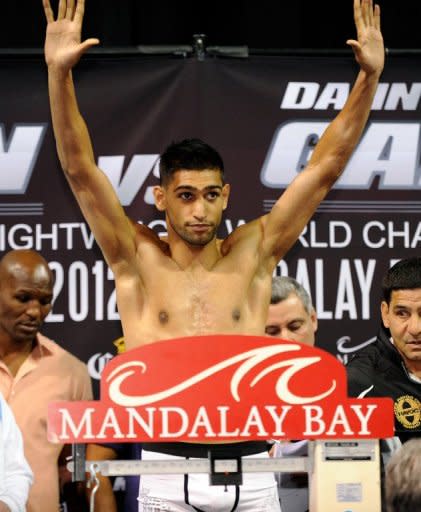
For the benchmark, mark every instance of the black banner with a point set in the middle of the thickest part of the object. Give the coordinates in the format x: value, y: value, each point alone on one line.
x: 264, y: 115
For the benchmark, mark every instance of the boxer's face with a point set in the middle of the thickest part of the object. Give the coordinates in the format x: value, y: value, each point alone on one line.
x: 193, y: 202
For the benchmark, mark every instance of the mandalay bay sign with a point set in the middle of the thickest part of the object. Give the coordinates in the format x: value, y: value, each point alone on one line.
x: 221, y: 388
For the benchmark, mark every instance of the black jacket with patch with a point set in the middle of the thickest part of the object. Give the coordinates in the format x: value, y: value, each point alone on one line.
x: 378, y: 371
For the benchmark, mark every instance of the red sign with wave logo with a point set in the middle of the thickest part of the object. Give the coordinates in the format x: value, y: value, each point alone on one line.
x: 221, y: 388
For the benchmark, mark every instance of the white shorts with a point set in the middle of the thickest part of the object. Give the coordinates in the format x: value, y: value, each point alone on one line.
x: 180, y: 493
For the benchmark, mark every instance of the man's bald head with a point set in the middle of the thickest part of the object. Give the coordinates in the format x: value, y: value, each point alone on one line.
x: 25, y: 261
x: 26, y: 293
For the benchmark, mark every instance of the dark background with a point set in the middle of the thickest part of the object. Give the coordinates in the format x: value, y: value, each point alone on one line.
x: 274, y: 24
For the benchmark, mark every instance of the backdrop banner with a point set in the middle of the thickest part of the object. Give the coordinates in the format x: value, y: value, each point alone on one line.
x: 264, y: 115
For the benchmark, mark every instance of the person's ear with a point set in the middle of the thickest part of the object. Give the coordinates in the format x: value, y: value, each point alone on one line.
x: 314, y: 320
x: 226, y: 189
x: 384, y: 308
x: 160, y: 199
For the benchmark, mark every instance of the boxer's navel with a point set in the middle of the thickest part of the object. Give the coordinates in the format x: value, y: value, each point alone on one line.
x: 163, y: 317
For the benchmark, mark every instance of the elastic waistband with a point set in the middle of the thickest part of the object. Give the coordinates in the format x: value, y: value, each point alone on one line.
x: 201, y: 450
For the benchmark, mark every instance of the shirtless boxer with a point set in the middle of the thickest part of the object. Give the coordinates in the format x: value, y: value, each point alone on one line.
x: 174, y: 287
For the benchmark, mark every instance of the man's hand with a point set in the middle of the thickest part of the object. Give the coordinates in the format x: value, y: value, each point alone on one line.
x: 4, y: 507
x: 369, y: 49
x: 63, y: 47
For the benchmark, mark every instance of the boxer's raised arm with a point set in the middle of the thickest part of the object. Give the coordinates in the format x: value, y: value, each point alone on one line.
x: 96, y: 197
x: 282, y: 226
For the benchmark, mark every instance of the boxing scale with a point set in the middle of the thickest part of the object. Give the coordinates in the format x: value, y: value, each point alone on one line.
x: 256, y: 388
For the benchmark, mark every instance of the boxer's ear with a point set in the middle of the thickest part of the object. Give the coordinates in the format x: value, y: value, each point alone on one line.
x: 160, y: 199
x: 226, y: 189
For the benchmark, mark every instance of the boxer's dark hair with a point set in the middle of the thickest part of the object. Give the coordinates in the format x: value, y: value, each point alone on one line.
x: 189, y: 154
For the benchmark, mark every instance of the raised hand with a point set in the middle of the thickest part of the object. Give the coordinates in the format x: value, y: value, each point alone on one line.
x: 63, y: 46
x: 369, y: 49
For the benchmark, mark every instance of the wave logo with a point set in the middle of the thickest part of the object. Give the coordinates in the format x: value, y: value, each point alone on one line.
x: 242, y: 371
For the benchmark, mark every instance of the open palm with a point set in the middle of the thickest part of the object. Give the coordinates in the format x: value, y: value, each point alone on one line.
x: 369, y: 49
x: 63, y: 46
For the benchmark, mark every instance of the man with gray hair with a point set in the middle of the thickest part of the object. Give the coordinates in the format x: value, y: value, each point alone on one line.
x: 403, y: 484
x: 291, y: 316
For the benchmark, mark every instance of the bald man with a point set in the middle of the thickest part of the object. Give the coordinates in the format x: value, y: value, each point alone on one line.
x: 34, y: 370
